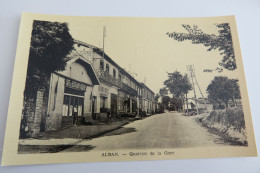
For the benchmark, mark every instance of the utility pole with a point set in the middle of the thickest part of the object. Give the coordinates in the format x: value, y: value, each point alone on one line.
x: 201, y: 92
x: 104, y: 35
x: 190, y: 68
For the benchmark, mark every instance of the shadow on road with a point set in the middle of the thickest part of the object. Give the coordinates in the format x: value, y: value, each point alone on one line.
x: 27, y: 149
x: 120, y: 131
x: 80, y: 148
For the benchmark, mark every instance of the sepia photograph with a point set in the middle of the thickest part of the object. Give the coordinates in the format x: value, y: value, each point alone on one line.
x: 128, y: 89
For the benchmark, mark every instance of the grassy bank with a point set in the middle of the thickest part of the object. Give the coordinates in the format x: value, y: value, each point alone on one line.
x: 228, y: 123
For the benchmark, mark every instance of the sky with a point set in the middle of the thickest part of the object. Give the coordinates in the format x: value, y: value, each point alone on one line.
x: 141, y: 46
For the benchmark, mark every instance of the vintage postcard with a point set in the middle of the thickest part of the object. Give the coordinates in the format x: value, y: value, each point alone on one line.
x: 95, y: 89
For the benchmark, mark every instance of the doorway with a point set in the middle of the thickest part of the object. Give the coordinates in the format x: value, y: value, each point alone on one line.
x: 114, y: 104
x: 72, y: 106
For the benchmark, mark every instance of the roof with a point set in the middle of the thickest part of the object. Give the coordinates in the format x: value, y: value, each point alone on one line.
x: 200, y: 100
x: 146, y: 87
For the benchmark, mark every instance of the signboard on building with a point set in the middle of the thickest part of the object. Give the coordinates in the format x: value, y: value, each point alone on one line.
x: 69, y: 83
x: 103, y: 92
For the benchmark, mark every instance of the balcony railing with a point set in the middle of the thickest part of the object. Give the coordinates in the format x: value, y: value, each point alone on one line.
x: 106, y: 77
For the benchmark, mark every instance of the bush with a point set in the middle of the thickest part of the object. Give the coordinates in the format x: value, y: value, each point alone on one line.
x: 235, y: 117
x: 229, y: 117
x: 228, y: 123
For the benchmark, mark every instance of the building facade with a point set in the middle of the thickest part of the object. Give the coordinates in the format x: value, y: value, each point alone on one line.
x: 67, y: 95
x: 71, y: 94
x: 91, y: 85
x: 118, y: 91
x: 148, y: 102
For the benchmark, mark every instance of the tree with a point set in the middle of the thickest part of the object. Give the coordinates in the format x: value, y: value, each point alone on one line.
x: 178, y: 85
x: 165, y: 101
x: 156, y: 97
x: 163, y: 91
x: 176, y: 104
x: 222, y: 90
x: 174, y: 83
x: 234, y: 90
x: 51, y: 42
x: 186, y: 88
x: 222, y: 42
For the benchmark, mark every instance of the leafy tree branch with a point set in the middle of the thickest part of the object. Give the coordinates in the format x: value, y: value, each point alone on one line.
x: 51, y: 42
x: 221, y: 42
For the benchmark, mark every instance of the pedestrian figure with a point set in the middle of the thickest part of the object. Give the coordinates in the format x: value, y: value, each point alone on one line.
x: 75, y: 116
x: 108, y: 116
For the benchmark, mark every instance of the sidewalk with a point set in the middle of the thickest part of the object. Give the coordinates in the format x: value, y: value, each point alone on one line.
x: 55, y: 141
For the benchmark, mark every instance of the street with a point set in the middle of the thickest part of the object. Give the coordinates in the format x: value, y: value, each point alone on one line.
x: 167, y: 130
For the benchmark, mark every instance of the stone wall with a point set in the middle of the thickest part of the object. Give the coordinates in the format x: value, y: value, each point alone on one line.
x: 34, y: 114
x: 27, y: 118
x: 37, y: 122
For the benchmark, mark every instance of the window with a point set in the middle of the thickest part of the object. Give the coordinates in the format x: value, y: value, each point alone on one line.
x: 66, y: 103
x: 107, y: 68
x: 72, y: 104
x: 114, y: 73
x: 102, y: 102
x: 101, y: 65
x: 120, y: 77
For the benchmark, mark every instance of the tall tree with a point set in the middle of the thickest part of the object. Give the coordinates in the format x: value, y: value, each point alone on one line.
x: 186, y: 88
x: 50, y: 43
x: 176, y: 103
x: 222, y: 42
x: 165, y: 101
x: 178, y: 85
x: 174, y: 83
x: 156, y: 97
x: 222, y: 90
x: 163, y: 91
x: 234, y: 90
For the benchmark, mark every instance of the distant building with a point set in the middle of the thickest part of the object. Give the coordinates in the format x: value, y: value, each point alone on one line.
x: 202, y: 104
x: 148, y: 102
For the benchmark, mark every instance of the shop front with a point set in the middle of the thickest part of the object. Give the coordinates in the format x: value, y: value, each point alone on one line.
x: 127, y: 104
x: 73, y: 103
x: 71, y: 95
x: 103, y: 103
